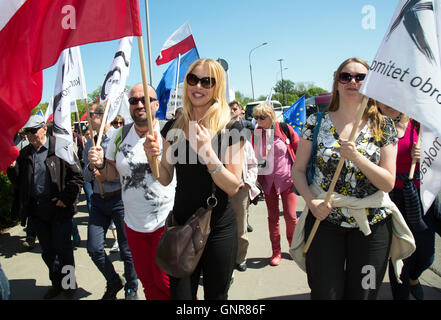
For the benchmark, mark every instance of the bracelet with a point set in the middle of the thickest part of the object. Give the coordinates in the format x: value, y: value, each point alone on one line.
x: 216, y: 170
x: 104, y: 164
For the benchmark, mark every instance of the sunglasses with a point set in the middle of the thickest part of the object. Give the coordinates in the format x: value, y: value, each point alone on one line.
x: 345, y: 77
x: 118, y: 122
x: 260, y: 118
x: 206, y: 82
x: 96, y: 113
x: 31, y: 130
x: 135, y: 101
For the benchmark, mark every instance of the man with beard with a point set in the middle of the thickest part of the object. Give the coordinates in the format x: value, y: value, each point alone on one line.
x: 146, y: 202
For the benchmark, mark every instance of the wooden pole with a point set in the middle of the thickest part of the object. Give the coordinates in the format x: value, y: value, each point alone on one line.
x: 154, y: 164
x: 337, y: 173
x: 92, y: 138
x: 414, y: 161
x: 103, y: 123
x: 79, y: 127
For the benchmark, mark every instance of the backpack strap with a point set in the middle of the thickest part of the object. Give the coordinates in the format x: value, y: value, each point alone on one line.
x: 121, y: 135
x: 285, y: 130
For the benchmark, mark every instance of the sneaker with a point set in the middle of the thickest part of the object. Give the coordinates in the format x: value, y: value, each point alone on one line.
x: 249, y: 228
x: 29, y: 243
x: 131, y: 294
x: 52, y: 292
x: 115, y: 247
x: 241, y: 267
x: 113, y: 288
x: 417, y: 291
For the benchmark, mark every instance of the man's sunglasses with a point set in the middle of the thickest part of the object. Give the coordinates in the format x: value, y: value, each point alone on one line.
x: 96, y: 113
x: 259, y: 118
x: 31, y: 130
x: 345, y: 77
x: 206, y: 82
x: 135, y: 101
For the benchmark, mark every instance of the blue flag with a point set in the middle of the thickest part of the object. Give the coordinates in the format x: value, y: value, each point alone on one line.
x: 40, y: 113
x: 168, y: 81
x: 295, y: 115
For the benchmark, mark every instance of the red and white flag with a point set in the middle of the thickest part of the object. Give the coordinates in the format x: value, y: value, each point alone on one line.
x: 180, y: 42
x: 33, y: 33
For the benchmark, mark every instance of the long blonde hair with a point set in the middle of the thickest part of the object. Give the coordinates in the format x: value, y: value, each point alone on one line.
x: 218, y: 115
x: 371, y: 112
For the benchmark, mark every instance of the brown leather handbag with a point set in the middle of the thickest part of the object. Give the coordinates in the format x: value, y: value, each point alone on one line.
x: 180, y: 247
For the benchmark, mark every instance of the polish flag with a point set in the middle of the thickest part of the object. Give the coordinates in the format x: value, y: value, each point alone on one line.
x: 32, y: 35
x: 180, y: 42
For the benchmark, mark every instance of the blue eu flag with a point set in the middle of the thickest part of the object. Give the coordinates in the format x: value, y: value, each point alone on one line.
x: 168, y: 81
x: 295, y: 115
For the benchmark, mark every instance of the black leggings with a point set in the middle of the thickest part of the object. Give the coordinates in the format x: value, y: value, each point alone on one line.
x: 216, y: 265
x: 343, y: 263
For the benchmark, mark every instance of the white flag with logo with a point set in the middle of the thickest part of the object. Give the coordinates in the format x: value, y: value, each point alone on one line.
x: 115, y: 81
x: 406, y: 75
x: 69, y: 86
x: 124, y: 109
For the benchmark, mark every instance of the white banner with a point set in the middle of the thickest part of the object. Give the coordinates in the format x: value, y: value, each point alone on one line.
x: 406, y: 72
x: 115, y: 81
x: 69, y: 86
x: 430, y: 167
x: 124, y: 109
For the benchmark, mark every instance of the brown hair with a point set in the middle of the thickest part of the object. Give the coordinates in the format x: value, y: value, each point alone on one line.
x: 371, y: 112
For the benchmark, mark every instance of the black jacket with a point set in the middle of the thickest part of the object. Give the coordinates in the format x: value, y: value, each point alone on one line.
x: 66, y: 181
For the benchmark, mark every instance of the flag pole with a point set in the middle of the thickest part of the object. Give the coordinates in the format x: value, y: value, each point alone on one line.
x: 154, y: 164
x: 177, y: 83
x: 103, y: 123
x: 79, y: 126
x: 337, y: 173
x: 148, y: 40
x: 414, y: 161
x: 100, y: 185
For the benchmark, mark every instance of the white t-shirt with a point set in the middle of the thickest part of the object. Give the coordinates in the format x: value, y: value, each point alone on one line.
x: 146, y: 201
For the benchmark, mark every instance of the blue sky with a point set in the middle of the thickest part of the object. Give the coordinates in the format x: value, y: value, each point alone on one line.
x: 312, y: 37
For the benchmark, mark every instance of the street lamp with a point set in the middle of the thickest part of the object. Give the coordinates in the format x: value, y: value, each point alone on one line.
x: 249, y: 60
x: 283, y: 85
x: 277, y: 74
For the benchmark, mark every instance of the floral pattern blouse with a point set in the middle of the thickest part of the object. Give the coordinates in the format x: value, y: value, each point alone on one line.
x: 351, y: 182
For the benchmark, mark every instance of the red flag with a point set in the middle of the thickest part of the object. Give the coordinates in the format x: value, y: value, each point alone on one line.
x: 83, y: 117
x: 180, y: 42
x: 32, y: 35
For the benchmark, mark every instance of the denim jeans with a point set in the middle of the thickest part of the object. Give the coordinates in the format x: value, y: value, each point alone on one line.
x: 87, y: 186
x: 103, y: 211
x: 4, y: 285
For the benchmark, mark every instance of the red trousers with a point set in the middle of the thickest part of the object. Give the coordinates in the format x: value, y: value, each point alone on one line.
x: 143, y: 247
x: 289, y: 203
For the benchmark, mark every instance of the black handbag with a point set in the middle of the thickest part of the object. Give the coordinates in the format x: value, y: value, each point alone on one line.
x: 181, y: 246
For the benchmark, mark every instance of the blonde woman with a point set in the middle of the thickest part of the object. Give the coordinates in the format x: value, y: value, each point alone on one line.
x: 337, y: 259
x: 276, y: 146
x: 190, y: 146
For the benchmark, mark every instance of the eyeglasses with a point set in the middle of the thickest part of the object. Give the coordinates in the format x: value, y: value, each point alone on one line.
x: 260, y: 117
x: 206, y: 82
x: 31, y: 130
x: 96, y: 114
x: 135, y: 101
x: 346, y: 77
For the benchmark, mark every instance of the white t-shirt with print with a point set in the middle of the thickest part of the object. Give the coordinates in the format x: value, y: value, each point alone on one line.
x: 146, y: 201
